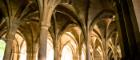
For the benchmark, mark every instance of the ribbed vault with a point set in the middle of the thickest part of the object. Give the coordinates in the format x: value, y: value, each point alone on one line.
x: 60, y: 29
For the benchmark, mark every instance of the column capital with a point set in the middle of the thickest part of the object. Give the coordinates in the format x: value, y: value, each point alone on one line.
x: 46, y: 27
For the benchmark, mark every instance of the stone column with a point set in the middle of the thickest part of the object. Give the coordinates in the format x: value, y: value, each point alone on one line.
x: 57, y: 48
x: 46, y: 8
x: 31, y: 52
x: 76, y: 54
x: 43, y: 43
x: 80, y: 51
x: 57, y: 54
x: 86, y: 37
x: 12, y: 28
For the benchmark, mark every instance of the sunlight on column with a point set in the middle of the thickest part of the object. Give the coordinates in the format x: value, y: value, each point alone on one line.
x: 67, y: 53
x: 2, y: 49
x: 23, y: 52
x: 50, y: 51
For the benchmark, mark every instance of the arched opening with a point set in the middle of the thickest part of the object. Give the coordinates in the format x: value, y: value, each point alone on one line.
x: 69, y: 45
x: 67, y: 53
x: 21, y: 48
x: 2, y: 48
x: 98, y: 50
x: 98, y: 53
x: 23, y: 53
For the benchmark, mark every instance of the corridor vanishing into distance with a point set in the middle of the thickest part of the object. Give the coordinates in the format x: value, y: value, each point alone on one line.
x: 61, y: 30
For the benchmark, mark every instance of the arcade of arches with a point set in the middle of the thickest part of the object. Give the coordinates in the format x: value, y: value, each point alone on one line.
x: 60, y: 30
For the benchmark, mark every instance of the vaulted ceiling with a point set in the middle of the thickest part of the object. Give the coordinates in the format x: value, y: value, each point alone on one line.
x: 69, y: 13
x: 69, y: 22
